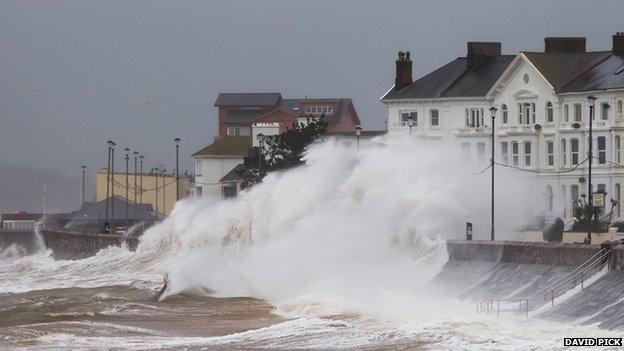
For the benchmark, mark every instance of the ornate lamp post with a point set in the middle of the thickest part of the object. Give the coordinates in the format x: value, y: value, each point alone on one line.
x: 358, y: 133
x: 177, y: 170
x: 493, y: 115
x: 260, y: 145
x: 592, y: 102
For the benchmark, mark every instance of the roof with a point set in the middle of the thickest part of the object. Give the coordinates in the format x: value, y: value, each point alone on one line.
x: 242, y: 116
x: 25, y: 216
x: 237, y: 174
x: 292, y: 106
x: 455, y: 79
x: 97, y: 210
x: 564, y: 71
x: 248, y: 99
x: 227, y: 146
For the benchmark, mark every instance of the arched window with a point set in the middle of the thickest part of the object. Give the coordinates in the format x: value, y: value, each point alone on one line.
x: 619, y: 108
x: 618, y: 149
x: 566, y: 113
x: 505, y: 112
x: 550, y: 118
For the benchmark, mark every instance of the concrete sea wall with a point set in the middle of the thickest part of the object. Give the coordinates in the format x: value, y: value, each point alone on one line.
x: 24, y: 239
x: 83, y: 243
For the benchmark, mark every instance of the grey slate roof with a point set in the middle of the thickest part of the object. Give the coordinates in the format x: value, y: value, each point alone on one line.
x: 97, y: 210
x: 601, y: 77
x: 227, y: 146
x: 455, y: 79
x: 248, y: 99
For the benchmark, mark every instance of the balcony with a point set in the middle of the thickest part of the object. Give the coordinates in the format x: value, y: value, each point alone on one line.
x: 522, y: 129
x: 473, y: 131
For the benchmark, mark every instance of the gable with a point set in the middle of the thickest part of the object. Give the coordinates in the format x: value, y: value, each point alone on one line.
x: 521, y: 80
x: 276, y: 116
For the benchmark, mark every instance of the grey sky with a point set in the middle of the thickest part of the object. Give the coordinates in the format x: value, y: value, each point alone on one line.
x: 76, y: 73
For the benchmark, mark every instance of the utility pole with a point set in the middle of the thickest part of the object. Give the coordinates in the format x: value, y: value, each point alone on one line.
x: 82, y: 202
x: 136, y: 157
x: 108, y: 174
x: 127, y: 158
x: 141, y: 179
x: 493, y: 114
x: 113, y: 188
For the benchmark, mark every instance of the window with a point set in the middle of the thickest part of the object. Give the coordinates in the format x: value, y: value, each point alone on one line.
x: 574, y: 151
x: 481, y: 152
x: 618, y: 149
x: 514, y: 153
x: 319, y: 110
x: 578, y: 112
x: 550, y: 153
x: 604, y: 111
x: 465, y: 151
x: 602, y: 150
x: 198, y: 167
x: 238, y: 131
x: 435, y: 118
x: 405, y: 116
x: 602, y: 189
x: 519, y: 113
x: 564, y: 155
x: 505, y: 152
x: 550, y: 118
x: 526, y: 113
x: 617, y: 198
x: 527, y: 153
x: 619, y: 108
x: 566, y: 113
x: 574, y: 194
x: 474, y: 118
x: 505, y: 112
x: 532, y: 113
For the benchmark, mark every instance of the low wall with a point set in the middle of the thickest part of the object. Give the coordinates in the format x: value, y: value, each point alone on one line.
x: 25, y: 239
x: 83, y: 243
x: 552, y: 254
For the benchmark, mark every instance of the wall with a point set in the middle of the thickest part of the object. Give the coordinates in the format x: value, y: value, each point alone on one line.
x: 521, y: 252
x: 151, y: 195
x: 69, y: 242
x: 213, y: 169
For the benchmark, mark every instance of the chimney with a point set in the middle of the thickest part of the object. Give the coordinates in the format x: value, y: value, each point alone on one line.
x: 479, y: 50
x: 403, y: 70
x: 618, y: 43
x: 564, y: 45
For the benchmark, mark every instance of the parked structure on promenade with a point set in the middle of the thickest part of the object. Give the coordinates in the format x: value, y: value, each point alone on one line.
x: 243, y: 116
x: 543, y: 113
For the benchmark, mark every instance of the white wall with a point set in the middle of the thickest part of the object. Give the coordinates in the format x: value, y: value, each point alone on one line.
x: 212, y: 170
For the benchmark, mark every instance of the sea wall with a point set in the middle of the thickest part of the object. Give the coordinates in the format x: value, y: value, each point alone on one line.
x: 25, y: 239
x: 551, y: 254
x: 84, y: 243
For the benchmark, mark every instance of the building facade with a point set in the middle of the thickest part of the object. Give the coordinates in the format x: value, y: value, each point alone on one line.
x: 542, y: 122
x: 156, y: 188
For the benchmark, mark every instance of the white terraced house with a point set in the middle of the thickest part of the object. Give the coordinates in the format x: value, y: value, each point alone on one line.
x: 542, y: 118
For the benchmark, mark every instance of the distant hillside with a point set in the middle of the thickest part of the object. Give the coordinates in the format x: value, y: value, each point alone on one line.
x: 21, y: 189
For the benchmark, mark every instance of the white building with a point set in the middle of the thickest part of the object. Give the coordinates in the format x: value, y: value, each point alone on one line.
x: 543, y: 113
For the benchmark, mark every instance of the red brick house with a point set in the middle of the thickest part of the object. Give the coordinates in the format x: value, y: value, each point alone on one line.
x: 239, y: 111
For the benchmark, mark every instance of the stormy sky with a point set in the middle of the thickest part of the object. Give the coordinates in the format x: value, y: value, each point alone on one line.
x: 74, y: 74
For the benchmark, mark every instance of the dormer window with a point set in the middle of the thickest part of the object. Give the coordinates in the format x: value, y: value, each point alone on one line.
x: 320, y: 110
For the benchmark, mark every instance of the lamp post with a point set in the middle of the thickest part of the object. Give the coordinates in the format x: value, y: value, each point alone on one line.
x: 127, y: 158
x: 84, y: 169
x: 177, y: 174
x: 260, y: 144
x: 136, y: 159
x: 358, y: 133
x: 410, y: 123
x: 141, y: 158
x: 155, y: 172
x: 590, y: 201
x: 111, y: 144
x: 493, y: 114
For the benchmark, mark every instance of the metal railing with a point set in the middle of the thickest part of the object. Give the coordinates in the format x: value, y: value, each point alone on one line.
x: 550, y: 292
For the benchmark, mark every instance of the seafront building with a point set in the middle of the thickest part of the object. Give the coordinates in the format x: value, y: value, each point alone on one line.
x: 541, y: 126
x: 243, y: 116
x: 156, y: 188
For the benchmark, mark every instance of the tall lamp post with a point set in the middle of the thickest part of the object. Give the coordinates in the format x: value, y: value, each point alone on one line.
x: 141, y: 158
x: 127, y: 158
x: 493, y: 114
x: 111, y: 144
x: 136, y: 193
x: 410, y: 123
x: 590, y: 201
x: 155, y: 172
x: 177, y: 174
x: 260, y: 144
x: 82, y: 200
x: 358, y: 133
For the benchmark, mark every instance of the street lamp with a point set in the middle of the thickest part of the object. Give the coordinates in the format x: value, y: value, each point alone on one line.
x: 592, y: 103
x: 177, y: 175
x: 127, y: 158
x: 410, y: 123
x: 84, y: 169
x: 111, y: 144
x: 358, y: 133
x: 141, y: 158
x: 260, y: 142
x: 493, y: 114
x: 136, y: 159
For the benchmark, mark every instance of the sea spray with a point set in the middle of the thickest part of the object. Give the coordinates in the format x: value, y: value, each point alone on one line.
x: 338, y: 235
